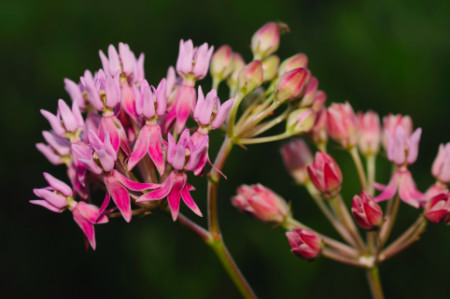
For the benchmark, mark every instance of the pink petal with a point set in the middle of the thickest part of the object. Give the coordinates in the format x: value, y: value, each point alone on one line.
x: 148, y: 101
x: 108, y: 124
x: 86, y: 226
x: 330, y: 178
x: 140, y: 147
x: 222, y: 114
x: 55, y: 122
x: 114, y: 62
x: 161, y: 100
x: 119, y: 195
x: 408, y: 191
x: 132, y: 185
x: 413, y: 146
x: 155, y: 150
x: 129, y: 100
x: 48, y: 152
x: 390, y: 189
x: 69, y: 120
x: 47, y: 205
x: 160, y: 192
x: 103, y: 207
x: 175, y: 194
x: 189, y: 201
x: 58, y: 185
x: 88, y: 211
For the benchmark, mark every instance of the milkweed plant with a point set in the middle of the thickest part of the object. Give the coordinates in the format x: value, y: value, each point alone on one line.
x: 139, y: 142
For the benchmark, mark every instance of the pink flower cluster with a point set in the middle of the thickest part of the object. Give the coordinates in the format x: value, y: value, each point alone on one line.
x: 119, y: 130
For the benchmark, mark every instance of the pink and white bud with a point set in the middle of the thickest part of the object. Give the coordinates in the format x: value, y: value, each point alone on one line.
x: 391, y: 122
x: 320, y: 97
x: 192, y: 60
x: 221, y: 66
x: 270, y: 67
x: 310, y: 92
x: 251, y: 76
x: 341, y: 124
x: 305, y: 243
x: 438, y: 208
x: 403, y: 149
x: 367, y: 213
x: 300, y: 121
x: 319, y: 133
x: 292, y: 63
x: 291, y: 84
x: 369, y: 133
x: 266, y: 40
x: 325, y: 174
x: 441, y: 165
x: 296, y: 157
x: 261, y: 202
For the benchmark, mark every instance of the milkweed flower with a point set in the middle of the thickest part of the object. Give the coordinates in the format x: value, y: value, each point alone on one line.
x: 367, y: 213
x: 325, y: 174
x: 341, y: 124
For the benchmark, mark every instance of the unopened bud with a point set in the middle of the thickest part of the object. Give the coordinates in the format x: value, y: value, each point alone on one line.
x: 305, y: 243
x: 292, y: 63
x: 341, y: 124
x: 369, y: 133
x: 300, y: 121
x: 310, y: 92
x: 270, y: 67
x: 325, y: 174
x: 237, y: 63
x: 438, y: 208
x: 296, y: 157
x: 261, y: 203
x: 221, y: 66
x: 291, y: 84
x: 251, y: 77
x: 266, y: 40
x: 367, y: 213
x: 441, y: 165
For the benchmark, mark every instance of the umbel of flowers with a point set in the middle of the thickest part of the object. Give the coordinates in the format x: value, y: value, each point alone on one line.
x: 138, y: 142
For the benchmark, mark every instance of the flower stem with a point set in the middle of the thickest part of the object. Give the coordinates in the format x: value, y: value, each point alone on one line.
x: 373, y: 277
x: 370, y: 163
x: 359, y: 167
x: 391, y: 214
x: 265, y: 139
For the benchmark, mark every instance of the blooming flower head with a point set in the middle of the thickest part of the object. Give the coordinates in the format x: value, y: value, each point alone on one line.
x: 305, y: 243
x: 209, y: 112
x: 261, y: 203
x: 67, y: 123
x: 296, y: 157
x: 341, y: 124
x: 367, y: 213
x: 193, y: 61
x: 325, y: 174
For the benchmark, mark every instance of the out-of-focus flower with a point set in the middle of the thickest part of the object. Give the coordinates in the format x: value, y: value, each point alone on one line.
x: 369, y: 133
x: 305, y: 243
x: 341, y: 124
x: 261, y: 202
x: 325, y: 174
x: 300, y: 121
x: 266, y: 40
x: 441, y: 165
x: 221, y: 63
x: 296, y: 157
x: 438, y: 208
x: 294, y: 62
x: 291, y: 84
x: 270, y: 67
x: 193, y: 61
x: 251, y: 77
x: 390, y: 124
x: 209, y: 112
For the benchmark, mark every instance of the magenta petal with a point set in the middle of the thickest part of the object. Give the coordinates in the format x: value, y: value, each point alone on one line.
x: 67, y: 116
x: 189, y: 201
x: 160, y: 192
x: 86, y: 226
x: 103, y: 207
x: 222, y: 114
x: 119, y: 195
x: 175, y: 194
x: 132, y: 185
x: 140, y: 147
x: 47, y: 205
x: 129, y: 100
x: 88, y: 211
x: 155, y: 150
x: 389, y: 190
x: 413, y: 146
x: 408, y: 191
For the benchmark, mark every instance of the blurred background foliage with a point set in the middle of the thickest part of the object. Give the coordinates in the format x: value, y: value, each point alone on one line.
x: 391, y: 56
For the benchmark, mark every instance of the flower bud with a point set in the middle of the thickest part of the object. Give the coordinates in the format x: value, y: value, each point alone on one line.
x: 367, y: 213
x: 369, y: 133
x: 296, y: 157
x: 292, y: 63
x: 305, y: 243
x: 270, y: 67
x: 438, y: 208
x: 291, y: 84
x: 266, y: 40
x: 391, y: 122
x: 261, y: 203
x: 251, y: 77
x: 441, y: 165
x: 237, y: 63
x: 221, y: 66
x: 341, y: 124
x: 319, y: 133
x: 300, y: 121
x: 310, y: 92
x: 325, y: 174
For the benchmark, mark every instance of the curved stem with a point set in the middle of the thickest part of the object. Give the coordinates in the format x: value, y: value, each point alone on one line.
x: 265, y: 139
x: 194, y: 227
x: 359, y: 167
x: 373, y: 277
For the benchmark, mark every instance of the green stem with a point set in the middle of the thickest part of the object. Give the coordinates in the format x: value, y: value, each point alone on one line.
x: 230, y: 266
x: 391, y: 214
x: 359, y: 167
x: 215, y: 83
x: 232, y: 118
x: 373, y: 277
x: 370, y: 162
x: 265, y: 139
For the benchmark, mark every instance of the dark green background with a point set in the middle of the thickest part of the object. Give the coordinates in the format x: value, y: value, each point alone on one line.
x: 392, y: 56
